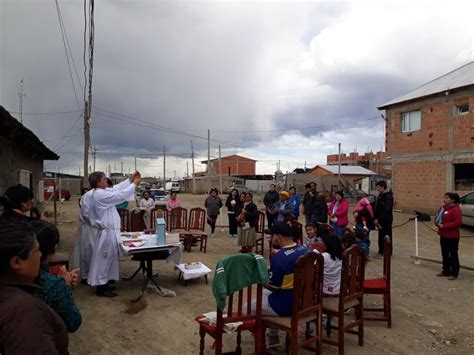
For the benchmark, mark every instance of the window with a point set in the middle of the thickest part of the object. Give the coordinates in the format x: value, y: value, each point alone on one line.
x: 411, y: 121
x: 464, y: 177
x: 462, y: 109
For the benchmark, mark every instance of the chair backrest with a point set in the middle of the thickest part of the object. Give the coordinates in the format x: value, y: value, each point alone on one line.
x: 307, y: 284
x: 297, y: 230
x: 260, y: 223
x: 177, y: 219
x: 124, y: 219
x: 155, y: 213
x: 197, y: 219
x: 352, y: 274
x: 387, y: 258
x: 137, y: 224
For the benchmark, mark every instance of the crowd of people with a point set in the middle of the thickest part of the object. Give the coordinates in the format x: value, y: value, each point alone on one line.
x: 38, y: 305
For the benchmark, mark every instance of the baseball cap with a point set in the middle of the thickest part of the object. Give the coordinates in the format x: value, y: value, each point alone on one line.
x: 279, y: 228
x: 285, y: 193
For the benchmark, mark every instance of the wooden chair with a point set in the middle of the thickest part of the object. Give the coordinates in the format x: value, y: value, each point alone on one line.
x: 381, y: 286
x: 124, y: 219
x: 177, y: 220
x: 195, y: 230
x: 238, y: 310
x: 351, y: 295
x: 137, y: 224
x: 259, y: 243
x: 156, y: 213
x: 307, y: 305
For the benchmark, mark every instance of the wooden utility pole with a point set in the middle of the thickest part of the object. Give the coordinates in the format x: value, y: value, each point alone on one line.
x: 94, y: 156
x: 121, y: 167
x: 21, y: 95
x: 220, y: 185
x: 209, y: 159
x: 87, y: 138
x: 164, y: 164
x: 339, y: 162
x: 187, y: 169
x: 135, y: 163
x: 192, y: 158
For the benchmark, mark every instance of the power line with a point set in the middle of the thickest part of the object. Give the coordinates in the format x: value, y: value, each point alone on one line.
x: 46, y: 113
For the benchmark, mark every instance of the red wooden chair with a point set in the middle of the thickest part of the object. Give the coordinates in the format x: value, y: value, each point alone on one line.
x: 351, y: 295
x: 307, y: 305
x: 238, y: 310
x: 137, y: 224
x: 156, y: 213
x: 177, y: 220
x: 381, y: 286
x: 259, y: 242
x: 195, y: 230
x: 124, y: 219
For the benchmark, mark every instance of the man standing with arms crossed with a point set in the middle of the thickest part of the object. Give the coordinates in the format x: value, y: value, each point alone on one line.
x: 383, y: 215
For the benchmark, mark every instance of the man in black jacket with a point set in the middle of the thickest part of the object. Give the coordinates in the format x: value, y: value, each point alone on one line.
x: 383, y: 215
x: 270, y: 198
x: 309, y: 201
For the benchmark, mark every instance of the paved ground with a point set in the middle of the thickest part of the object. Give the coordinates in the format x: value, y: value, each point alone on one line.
x: 430, y: 314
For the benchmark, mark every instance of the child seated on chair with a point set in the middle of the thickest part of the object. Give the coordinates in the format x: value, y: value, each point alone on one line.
x: 331, y: 250
x: 311, y: 237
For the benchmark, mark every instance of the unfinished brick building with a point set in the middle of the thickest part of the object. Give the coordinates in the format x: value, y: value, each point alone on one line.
x: 376, y: 162
x: 430, y: 140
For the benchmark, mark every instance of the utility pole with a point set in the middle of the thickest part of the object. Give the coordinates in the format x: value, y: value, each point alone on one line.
x: 94, y: 155
x: 110, y: 171
x: 115, y: 170
x: 121, y: 167
x: 87, y: 139
x: 135, y: 163
x: 79, y: 170
x: 164, y: 164
x: 187, y: 169
x: 209, y: 158
x: 339, y: 161
x: 21, y: 95
x: 192, y: 158
x: 220, y: 184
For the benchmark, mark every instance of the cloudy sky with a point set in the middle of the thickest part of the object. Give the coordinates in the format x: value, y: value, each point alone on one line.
x: 272, y: 81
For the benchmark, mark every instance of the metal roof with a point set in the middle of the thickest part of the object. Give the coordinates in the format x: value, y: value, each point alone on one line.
x: 462, y: 76
x: 347, y: 169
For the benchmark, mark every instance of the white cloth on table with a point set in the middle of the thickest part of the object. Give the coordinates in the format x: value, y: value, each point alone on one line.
x: 193, y: 273
x: 103, y: 215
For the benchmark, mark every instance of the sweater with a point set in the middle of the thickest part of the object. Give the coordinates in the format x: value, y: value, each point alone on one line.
x: 341, y: 212
x: 451, y: 221
x: 213, y: 205
x: 27, y: 324
x: 236, y: 272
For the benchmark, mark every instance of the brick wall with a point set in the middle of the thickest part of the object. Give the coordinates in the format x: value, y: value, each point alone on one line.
x: 372, y: 161
x: 238, y: 166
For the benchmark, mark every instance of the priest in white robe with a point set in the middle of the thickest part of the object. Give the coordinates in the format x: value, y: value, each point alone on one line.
x: 103, y: 215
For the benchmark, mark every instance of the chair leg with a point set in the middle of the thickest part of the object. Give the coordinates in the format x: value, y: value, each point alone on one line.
x: 319, y: 333
x: 360, y: 320
x: 294, y: 341
x: 340, y: 334
x: 389, y: 310
x: 328, y: 326
x: 202, y: 334
x: 238, y: 349
x: 287, y: 343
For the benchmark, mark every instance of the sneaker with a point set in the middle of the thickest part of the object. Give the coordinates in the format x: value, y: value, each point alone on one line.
x: 272, y: 341
x: 213, y: 236
x: 378, y: 256
x: 442, y: 274
x: 451, y: 278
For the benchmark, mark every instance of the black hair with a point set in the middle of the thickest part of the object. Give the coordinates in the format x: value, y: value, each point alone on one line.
x: 333, y: 246
x: 249, y: 194
x: 348, y: 238
x: 453, y: 196
x: 340, y: 193
x: 109, y: 182
x: 214, y: 190
x: 310, y: 225
x: 294, y: 188
x: 307, y: 185
x: 382, y: 183
x: 15, y: 196
x: 84, y: 190
x: 47, y: 236
x: 237, y: 191
x: 95, y: 178
x: 324, y: 229
x: 16, y: 239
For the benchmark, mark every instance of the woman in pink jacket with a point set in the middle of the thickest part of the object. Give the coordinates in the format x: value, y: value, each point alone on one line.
x: 338, y: 213
x: 449, y: 220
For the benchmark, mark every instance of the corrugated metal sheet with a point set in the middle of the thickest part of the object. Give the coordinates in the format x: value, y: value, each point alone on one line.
x: 347, y: 169
x: 457, y: 78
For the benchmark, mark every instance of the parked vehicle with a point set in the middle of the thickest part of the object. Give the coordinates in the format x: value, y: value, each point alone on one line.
x: 160, y: 196
x: 467, y: 209
x: 48, y: 192
x: 172, y: 186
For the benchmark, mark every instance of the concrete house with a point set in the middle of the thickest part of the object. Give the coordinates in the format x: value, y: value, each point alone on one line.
x: 430, y: 140
x: 21, y: 156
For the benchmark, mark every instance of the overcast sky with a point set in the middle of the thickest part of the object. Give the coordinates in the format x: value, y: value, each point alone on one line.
x: 272, y: 80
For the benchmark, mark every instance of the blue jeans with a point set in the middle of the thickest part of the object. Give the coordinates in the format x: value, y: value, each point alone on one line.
x: 338, y: 230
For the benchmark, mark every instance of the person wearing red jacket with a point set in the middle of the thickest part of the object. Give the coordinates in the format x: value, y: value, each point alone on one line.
x: 449, y: 220
x: 337, y: 213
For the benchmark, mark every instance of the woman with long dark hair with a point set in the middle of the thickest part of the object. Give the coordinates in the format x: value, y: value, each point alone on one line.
x: 27, y: 324
x: 449, y: 220
x: 17, y: 202
x: 233, y: 204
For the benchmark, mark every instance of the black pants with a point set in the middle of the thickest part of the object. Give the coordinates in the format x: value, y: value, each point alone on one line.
x: 211, y: 220
x: 232, y: 223
x: 449, y: 252
x: 385, y: 230
x: 269, y: 219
